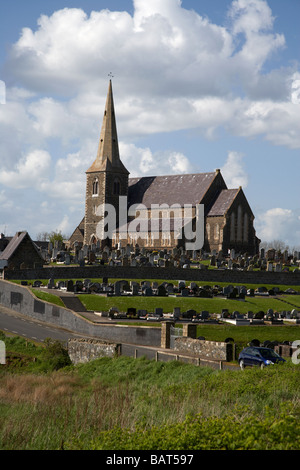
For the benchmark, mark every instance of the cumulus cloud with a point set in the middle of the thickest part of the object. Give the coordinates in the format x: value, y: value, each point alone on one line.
x: 30, y: 171
x: 234, y: 172
x: 279, y: 224
x: 70, y: 53
x: 2, y: 92
x: 143, y: 162
x: 175, y: 70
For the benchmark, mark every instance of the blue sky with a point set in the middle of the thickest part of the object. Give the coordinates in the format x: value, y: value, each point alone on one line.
x: 198, y: 85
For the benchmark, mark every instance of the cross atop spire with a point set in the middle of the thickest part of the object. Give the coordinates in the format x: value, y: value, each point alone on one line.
x: 108, y: 157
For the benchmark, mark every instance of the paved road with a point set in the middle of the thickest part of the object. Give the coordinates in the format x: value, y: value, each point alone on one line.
x: 13, y: 322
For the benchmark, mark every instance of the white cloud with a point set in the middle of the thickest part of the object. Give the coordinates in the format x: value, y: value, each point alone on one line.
x: 65, y: 227
x: 2, y: 92
x: 29, y: 172
x: 142, y: 162
x: 295, y: 88
x: 234, y: 172
x: 279, y: 224
x: 159, y: 55
x: 174, y: 69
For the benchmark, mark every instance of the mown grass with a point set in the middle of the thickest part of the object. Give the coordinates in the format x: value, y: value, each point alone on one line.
x: 212, y: 305
x: 48, y: 297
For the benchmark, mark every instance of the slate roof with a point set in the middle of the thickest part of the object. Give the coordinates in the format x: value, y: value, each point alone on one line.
x: 170, y: 189
x: 155, y: 224
x: 223, y: 202
x: 14, y: 244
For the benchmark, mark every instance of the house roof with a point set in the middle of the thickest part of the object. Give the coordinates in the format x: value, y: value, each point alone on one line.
x: 170, y: 189
x: 14, y: 244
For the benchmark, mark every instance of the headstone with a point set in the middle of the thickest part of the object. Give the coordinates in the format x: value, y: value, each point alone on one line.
x: 135, y: 289
x: 176, y: 312
x: 117, y: 288
x: 50, y: 284
x: 37, y: 284
x: 161, y: 290
x: 204, y: 315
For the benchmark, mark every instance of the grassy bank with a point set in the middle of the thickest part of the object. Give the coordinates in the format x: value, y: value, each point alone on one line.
x: 128, y: 403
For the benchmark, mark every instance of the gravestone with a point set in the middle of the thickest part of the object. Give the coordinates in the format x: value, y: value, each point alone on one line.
x: 185, y: 292
x: 161, y: 290
x: 148, y: 291
x: 117, y: 288
x: 50, y: 284
x: 176, y: 312
x: 135, y: 289
x: 204, y: 315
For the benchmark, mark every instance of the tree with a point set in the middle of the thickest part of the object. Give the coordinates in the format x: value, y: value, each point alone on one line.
x: 277, y: 245
x: 51, y: 237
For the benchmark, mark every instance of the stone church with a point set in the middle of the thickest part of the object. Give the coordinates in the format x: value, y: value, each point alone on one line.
x: 154, y: 204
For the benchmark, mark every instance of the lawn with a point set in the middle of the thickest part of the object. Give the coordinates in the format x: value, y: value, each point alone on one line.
x: 214, y: 305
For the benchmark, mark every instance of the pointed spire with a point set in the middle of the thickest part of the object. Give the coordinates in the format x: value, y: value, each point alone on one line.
x: 108, y: 157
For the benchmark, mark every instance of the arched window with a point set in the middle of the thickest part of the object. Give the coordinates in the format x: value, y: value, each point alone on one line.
x: 245, y: 237
x: 240, y: 224
x: 217, y: 232
x: 95, y: 187
x: 116, y: 186
x: 232, y: 227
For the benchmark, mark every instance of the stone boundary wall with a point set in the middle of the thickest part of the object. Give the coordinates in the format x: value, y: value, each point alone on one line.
x: 130, y: 272
x: 205, y: 349
x: 22, y: 300
x: 85, y: 350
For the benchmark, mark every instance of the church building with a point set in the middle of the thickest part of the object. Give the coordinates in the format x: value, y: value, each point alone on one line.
x: 149, y: 211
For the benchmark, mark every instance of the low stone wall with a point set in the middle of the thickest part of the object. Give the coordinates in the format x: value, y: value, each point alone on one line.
x: 206, y: 349
x: 128, y: 272
x: 284, y: 350
x: 85, y: 350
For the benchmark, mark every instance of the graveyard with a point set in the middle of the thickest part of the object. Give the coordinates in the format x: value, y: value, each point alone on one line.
x: 134, y: 256
x: 180, y: 300
x: 129, y: 282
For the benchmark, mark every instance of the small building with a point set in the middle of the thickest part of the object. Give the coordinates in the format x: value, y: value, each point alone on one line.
x: 21, y: 252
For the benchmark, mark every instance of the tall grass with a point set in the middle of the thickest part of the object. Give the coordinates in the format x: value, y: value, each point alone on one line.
x: 71, y: 407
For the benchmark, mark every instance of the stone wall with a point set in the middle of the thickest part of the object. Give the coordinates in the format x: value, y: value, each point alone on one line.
x: 130, y: 272
x: 85, y: 350
x: 21, y: 299
x: 205, y: 349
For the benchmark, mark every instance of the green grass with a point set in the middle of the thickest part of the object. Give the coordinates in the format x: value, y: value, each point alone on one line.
x: 48, y: 297
x: 214, y: 305
x: 126, y: 403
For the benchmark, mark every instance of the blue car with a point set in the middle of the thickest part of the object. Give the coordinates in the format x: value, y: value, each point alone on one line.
x: 256, y: 356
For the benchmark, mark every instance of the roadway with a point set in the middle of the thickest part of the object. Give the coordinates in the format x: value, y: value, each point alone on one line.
x: 20, y: 325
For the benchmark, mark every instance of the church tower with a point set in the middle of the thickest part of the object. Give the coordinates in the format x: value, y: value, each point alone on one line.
x: 107, y: 178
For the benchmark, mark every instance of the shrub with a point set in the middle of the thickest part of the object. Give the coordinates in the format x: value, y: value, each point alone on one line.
x: 54, y: 355
x: 232, y: 432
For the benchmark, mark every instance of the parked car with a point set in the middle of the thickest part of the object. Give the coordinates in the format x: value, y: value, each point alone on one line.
x: 257, y: 356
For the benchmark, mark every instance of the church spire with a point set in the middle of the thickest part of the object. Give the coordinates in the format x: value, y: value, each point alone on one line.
x: 108, y: 157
